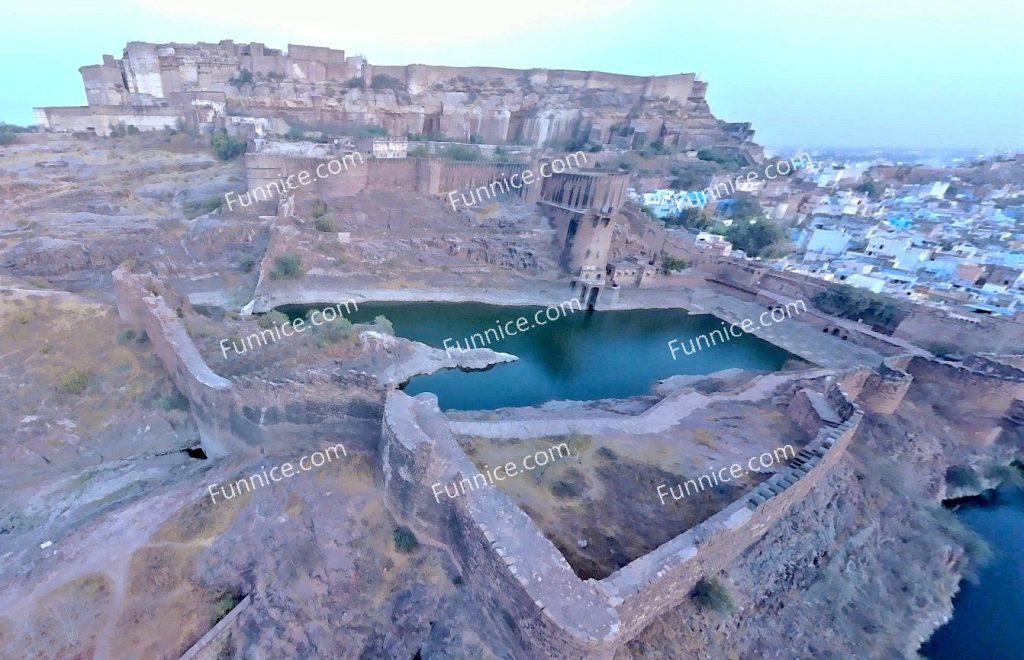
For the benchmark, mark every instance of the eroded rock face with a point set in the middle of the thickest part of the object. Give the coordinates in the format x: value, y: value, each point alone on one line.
x: 394, y: 360
x: 43, y: 255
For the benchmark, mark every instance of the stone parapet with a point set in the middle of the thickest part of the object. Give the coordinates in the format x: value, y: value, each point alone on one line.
x: 510, y: 563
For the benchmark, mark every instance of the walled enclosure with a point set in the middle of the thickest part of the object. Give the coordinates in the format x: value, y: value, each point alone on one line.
x: 498, y: 544
x: 582, y: 205
x: 248, y: 415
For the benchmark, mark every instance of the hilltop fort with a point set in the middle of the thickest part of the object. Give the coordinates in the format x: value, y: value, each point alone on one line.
x: 251, y: 86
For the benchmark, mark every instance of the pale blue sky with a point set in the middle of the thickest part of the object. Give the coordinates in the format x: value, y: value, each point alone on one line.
x: 859, y: 73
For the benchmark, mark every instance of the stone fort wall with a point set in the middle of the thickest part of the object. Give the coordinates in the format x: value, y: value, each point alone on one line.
x: 249, y: 415
x: 426, y: 176
x: 925, y: 326
x: 508, y: 559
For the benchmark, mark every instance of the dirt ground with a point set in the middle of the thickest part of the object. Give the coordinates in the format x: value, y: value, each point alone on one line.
x: 600, y: 506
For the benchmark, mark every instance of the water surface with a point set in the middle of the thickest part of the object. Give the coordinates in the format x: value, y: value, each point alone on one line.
x: 580, y: 356
x: 988, y: 616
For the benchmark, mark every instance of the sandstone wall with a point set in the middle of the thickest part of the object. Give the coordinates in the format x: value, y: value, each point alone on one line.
x: 250, y: 415
x: 512, y: 566
x: 967, y: 334
x: 970, y: 398
x: 208, y: 393
x: 660, y: 580
x: 426, y: 176
x: 505, y: 558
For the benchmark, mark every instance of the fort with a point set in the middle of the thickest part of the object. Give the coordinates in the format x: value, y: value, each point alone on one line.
x: 259, y: 90
x: 506, y: 559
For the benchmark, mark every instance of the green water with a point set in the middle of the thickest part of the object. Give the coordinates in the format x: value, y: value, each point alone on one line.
x: 580, y: 356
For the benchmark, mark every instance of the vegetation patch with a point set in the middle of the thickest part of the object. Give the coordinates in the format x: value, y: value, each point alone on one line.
x: 405, y: 540
x: 711, y: 594
x: 287, y: 266
x: 75, y: 381
x: 856, y: 304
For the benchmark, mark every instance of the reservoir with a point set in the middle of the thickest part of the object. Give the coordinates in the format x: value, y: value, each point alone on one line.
x: 987, y: 616
x: 578, y: 355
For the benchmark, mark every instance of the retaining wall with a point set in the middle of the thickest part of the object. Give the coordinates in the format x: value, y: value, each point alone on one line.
x: 249, y: 415
x: 511, y: 565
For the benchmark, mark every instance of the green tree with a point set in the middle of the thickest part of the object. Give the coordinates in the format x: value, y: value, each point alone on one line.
x: 227, y: 147
x: 870, y: 188
x: 856, y: 304
x: 754, y: 237
x: 691, y: 218
x: 244, y: 77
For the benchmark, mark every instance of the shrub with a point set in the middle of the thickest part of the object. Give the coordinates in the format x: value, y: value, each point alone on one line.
x: 287, y: 266
x: 271, y: 319
x: 731, y: 160
x: 566, y: 489
x: 463, y: 152
x: 244, y: 77
x: 74, y: 381
x: 356, y: 83
x: 319, y: 209
x: 384, y: 81
x: 383, y: 325
x: 196, y: 208
x: 173, y: 401
x: 227, y: 147
x: 125, y: 336
x: 326, y: 225
x: 8, y: 131
x: 712, y: 594
x: 224, y: 605
x: 333, y: 332
x: 670, y: 263
x: 405, y: 540
x: 246, y: 262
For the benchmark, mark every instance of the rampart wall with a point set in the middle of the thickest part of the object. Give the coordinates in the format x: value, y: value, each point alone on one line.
x: 426, y: 176
x: 924, y: 326
x: 249, y: 415
x: 208, y: 393
x: 660, y: 580
x: 512, y: 565
x: 975, y: 395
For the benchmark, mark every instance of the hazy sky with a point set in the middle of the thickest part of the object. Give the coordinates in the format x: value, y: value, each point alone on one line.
x: 860, y: 73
